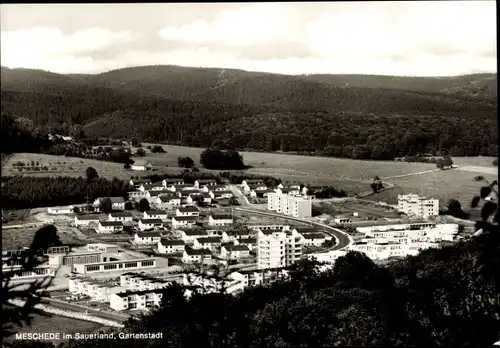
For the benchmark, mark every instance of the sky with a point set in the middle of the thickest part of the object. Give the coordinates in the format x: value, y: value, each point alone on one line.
x: 417, y: 38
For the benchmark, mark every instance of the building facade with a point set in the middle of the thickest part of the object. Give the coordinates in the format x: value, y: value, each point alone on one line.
x: 112, y: 266
x: 414, y: 205
x: 278, y: 248
x: 291, y: 205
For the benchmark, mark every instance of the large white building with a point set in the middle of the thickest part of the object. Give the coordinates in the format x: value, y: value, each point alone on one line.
x: 292, y: 205
x: 134, y: 300
x: 110, y: 266
x: 419, y: 232
x: 422, y: 207
x: 278, y: 248
x: 386, y: 250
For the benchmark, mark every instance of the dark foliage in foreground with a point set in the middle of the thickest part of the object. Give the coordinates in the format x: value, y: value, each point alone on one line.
x: 33, y: 192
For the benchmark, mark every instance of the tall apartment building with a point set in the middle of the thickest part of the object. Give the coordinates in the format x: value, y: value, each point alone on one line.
x: 292, y: 205
x: 421, y: 207
x: 278, y: 248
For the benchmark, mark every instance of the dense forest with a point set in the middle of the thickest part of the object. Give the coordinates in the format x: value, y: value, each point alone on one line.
x: 33, y: 192
x: 441, y: 298
x: 257, y: 111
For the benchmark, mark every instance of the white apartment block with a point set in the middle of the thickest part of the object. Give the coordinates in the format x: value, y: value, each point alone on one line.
x: 292, y: 205
x: 95, y: 289
x: 422, y: 207
x: 278, y: 248
x: 430, y: 232
x: 138, y: 282
x: 135, y: 300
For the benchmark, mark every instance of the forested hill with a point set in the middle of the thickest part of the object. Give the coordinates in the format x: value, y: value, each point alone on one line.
x: 259, y: 111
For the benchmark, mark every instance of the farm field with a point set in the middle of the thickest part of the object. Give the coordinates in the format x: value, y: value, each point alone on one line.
x: 444, y: 185
x: 474, y: 161
x: 14, y: 238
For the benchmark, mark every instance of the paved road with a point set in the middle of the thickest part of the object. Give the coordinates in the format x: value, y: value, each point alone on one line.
x: 342, y: 238
x: 118, y: 317
x: 241, y: 197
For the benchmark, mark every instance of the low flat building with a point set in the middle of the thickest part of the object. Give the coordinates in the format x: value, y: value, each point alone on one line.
x: 95, y: 289
x: 103, y: 248
x: 139, y: 282
x: 69, y: 259
x: 113, y: 266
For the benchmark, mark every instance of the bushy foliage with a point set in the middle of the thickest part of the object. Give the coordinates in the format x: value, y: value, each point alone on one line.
x: 221, y: 160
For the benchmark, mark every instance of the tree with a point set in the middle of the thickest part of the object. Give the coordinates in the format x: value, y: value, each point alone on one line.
x: 495, y: 162
x: 142, y: 205
x: 126, y: 166
x: 106, y: 206
x: 157, y: 149
x: 377, y: 185
x: 91, y: 174
x: 195, y: 170
x: 489, y: 212
x: 140, y: 152
x: 454, y: 208
x: 185, y: 162
x: 221, y: 160
x: 129, y: 206
x: 447, y: 161
x: 440, y: 163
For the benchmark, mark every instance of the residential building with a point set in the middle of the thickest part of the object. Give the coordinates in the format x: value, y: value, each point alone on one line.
x: 207, y: 197
x: 136, y: 300
x: 138, y: 182
x: 419, y: 231
x: 220, y: 220
x: 314, y: 239
x: 254, y: 187
x: 140, y: 165
x: 113, y: 266
x: 210, y: 243
x: 342, y: 220
x: 183, y: 221
x: 258, y: 277
x: 139, y: 282
x: 421, y: 207
x: 109, y: 227
x: 152, y: 187
x: 250, y: 242
x: 190, y: 235
x: 216, y: 188
x: 97, y: 290
x: 171, y: 246
x: 187, y: 211
x: 150, y: 224
x: 181, y: 188
x: 222, y: 194
x: 61, y: 210
x: 296, y: 206
x: 121, y: 216
x: 201, y: 182
x: 293, y: 190
x: 247, y: 182
x: 328, y: 259
x: 86, y: 220
x: 117, y: 203
x: 234, y: 251
x: 63, y: 249
x: 147, y: 238
x: 383, y: 251
x: 38, y: 272
x: 172, y: 181
x: 155, y: 214
x: 278, y: 248
x: 138, y: 195
x: 261, y: 193
x: 191, y: 255
x: 167, y: 202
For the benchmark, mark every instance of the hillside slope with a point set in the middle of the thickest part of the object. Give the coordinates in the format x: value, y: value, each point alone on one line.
x: 259, y: 111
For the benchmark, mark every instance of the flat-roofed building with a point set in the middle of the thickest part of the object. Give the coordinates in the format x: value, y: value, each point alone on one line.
x: 58, y: 249
x: 421, y: 207
x: 69, y: 259
x: 113, y: 266
x: 103, y: 248
x: 136, y: 300
x: 291, y: 205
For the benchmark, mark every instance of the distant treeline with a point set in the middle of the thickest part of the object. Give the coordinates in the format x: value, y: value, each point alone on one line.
x: 32, y: 192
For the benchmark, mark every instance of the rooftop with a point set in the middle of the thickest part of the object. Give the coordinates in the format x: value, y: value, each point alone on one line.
x: 185, y: 218
x: 113, y: 199
x: 196, y: 233
x: 314, y: 236
x: 188, y: 210
x: 150, y: 221
x: 156, y: 212
x: 209, y: 240
x: 167, y: 242
x: 221, y: 217
x: 191, y: 251
x: 142, y: 292
x: 236, y: 247
x: 141, y: 234
x: 120, y: 214
x: 111, y: 223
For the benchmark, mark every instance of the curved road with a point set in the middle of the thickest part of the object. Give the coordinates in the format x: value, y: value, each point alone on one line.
x: 343, y: 239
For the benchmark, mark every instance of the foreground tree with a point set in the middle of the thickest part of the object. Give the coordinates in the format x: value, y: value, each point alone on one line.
x: 142, y: 205
x: 106, y: 206
x: 185, y: 162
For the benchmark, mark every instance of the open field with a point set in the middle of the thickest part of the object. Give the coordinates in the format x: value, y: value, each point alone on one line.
x: 58, y: 324
x: 22, y: 237
x: 480, y: 170
x: 345, y: 208
x: 444, y: 185
x: 474, y: 161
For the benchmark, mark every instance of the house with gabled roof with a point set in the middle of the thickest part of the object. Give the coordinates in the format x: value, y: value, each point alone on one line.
x: 173, y: 181
x: 86, y: 220
x: 155, y: 214
x: 171, y: 246
x: 122, y: 216
x: 183, y: 221
x: 187, y: 211
x: 201, y: 182
x: 222, y: 194
x: 252, y: 182
x: 150, y: 224
x: 232, y: 251
x: 147, y: 238
x: 141, y: 165
x: 220, y: 219
x: 191, y: 255
x: 105, y: 227
x: 190, y: 235
x: 210, y: 243
x: 117, y: 203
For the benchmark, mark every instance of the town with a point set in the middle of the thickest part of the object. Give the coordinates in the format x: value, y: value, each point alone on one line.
x: 188, y: 236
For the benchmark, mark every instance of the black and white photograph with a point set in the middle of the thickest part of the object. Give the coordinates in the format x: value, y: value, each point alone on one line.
x: 252, y: 174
